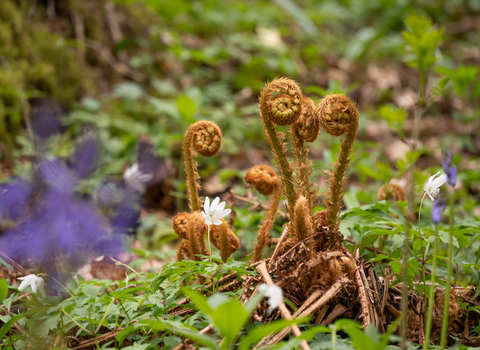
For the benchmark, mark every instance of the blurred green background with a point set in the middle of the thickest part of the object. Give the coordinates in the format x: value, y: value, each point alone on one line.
x: 131, y: 68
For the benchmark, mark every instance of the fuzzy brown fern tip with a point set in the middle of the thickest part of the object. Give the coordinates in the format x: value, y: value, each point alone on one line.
x: 391, y: 192
x: 205, y: 138
x: 338, y: 116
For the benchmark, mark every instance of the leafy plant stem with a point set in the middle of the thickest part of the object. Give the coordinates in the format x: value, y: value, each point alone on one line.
x: 431, y: 293
x: 449, y: 277
x: 78, y: 304
x: 420, y: 234
x: 118, y: 263
x: 105, y: 315
x: 78, y: 324
x: 209, y: 244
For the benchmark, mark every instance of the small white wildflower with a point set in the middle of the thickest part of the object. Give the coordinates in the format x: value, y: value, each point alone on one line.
x: 432, y: 185
x: 215, y: 211
x: 135, y: 179
x: 274, y: 294
x: 35, y: 282
x: 126, y: 279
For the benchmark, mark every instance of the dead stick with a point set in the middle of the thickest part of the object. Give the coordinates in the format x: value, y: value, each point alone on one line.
x: 337, y: 311
x: 203, y: 331
x: 363, y: 298
x: 329, y: 294
x: 321, y: 314
x: 307, y: 302
x: 370, y: 298
x: 262, y: 270
x: 277, y: 248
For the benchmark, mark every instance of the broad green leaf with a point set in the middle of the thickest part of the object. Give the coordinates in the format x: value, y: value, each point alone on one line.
x: 258, y: 333
x: 3, y: 289
x: 202, y: 339
x: 6, y: 327
x: 186, y: 108
x: 395, y: 117
x: 137, y: 346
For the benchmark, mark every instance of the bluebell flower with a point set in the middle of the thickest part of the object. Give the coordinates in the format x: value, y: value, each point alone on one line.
x: 14, y: 198
x: 437, y: 209
x: 448, y: 168
x: 46, y: 118
x: 86, y: 157
x: 58, y: 221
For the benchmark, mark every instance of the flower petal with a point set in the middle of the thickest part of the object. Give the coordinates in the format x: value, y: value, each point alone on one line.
x: 222, y: 214
x: 439, y: 181
x: 34, y: 286
x: 214, y: 205
x: 217, y: 222
x: 220, y: 207
x: 206, y: 206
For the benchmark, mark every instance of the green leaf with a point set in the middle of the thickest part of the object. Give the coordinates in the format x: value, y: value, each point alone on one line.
x: 395, y: 117
x: 3, y: 289
x: 9, y: 324
x: 202, y: 339
x: 258, y: 333
x: 137, y: 346
x: 461, y: 78
x: 186, y: 108
x: 90, y: 291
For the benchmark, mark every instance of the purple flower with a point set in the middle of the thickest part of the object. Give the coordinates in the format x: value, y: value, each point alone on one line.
x: 86, y: 157
x: 14, y: 197
x: 448, y: 168
x: 55, y: 220
x: 437, y: 209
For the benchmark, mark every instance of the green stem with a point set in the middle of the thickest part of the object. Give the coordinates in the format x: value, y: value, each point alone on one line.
x: 421, y: 240
x: 209, y: 246
x: 78, y: 304
x: 449, y: 277
x: 105, y: 315
x: 431, y: 293
x: 118, y: 263
x: 78, y: 324
x: 419, y: 110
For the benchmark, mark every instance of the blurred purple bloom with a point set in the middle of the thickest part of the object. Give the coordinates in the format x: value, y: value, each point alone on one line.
x: 58, y: 221
x: 126, y: 218
x: 56, y: 176
x: 14, y: 197
x: 45, y: 118
x: 448, y: 168
x: 61, y: 223
x: 437, y: 209
x: 86, y: 157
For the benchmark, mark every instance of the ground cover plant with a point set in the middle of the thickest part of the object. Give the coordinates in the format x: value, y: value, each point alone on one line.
x: 181, y: 175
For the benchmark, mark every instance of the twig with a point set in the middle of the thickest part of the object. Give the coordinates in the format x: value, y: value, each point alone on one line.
x: 321, y: 314
x: 307, y: 302
x: 181, y: 346
x: 337, y: 311
x: 254, y: 203
x: 277, y: 248
x: 79, y: 29
x: 363, y: 298
x: 262, y: 270
x: 119, y: 66
x: 329, y: 294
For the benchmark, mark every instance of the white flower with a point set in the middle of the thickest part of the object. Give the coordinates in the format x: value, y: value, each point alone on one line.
x: 135, y: 179
x: 126, y: 279
x: 432, y: 185
x: 213, y: 212
x: 36, y: 283
x: 274, y: 294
